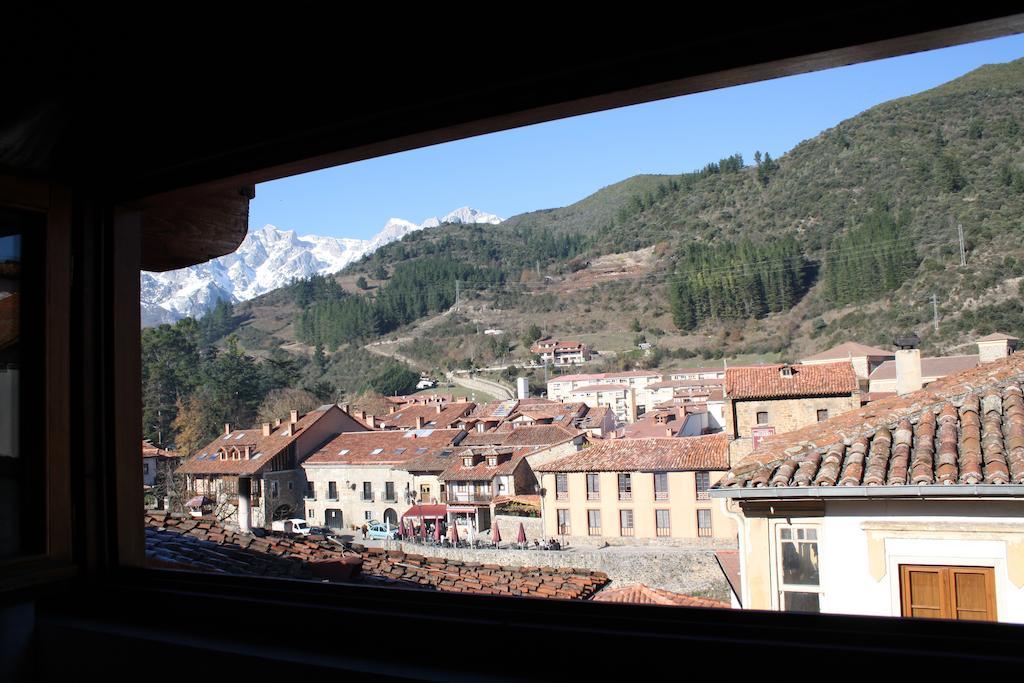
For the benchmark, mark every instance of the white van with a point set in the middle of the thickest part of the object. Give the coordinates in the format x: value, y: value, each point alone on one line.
x: 291, y: 526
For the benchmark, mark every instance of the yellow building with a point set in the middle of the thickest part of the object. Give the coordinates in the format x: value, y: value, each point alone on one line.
x: 625, y: 491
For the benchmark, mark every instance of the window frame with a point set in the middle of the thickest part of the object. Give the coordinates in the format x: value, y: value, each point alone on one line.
x: 780, y: 587
x: 594, y: 492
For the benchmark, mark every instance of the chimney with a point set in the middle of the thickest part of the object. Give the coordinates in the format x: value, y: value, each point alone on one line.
x: 908, y: 364
x: 266, y: 429
x: 277, y: 423
x: 371, y: 422
x: 344, y: 406
x: 668, y: 431
x: 361, y: 414
x: 392, y: 409
x: 439, y: 408
x: 294, y: 416
x: 419, y: 422
x: 227, y: 428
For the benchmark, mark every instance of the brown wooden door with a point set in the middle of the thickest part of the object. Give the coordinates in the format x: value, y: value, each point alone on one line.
x: 936, y: 592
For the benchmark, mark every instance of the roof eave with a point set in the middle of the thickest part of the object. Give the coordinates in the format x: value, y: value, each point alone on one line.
x: 870, y: 492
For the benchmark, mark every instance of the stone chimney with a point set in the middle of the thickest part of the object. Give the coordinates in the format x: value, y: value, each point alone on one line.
x: 669, y: 432
x: 419, y: 422
x: 277, y: 423
x: 371, y: 421
x: 908, y: 365
x: 227, y: 428
x: 266, y: 429
x: 294, y: 417
x: 361, y: 414
x: 439, y: 408
x: 392, y: 409
x: 996, y: 346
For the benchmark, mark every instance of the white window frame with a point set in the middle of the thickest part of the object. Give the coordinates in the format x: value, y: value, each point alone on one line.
x: 777, y: 573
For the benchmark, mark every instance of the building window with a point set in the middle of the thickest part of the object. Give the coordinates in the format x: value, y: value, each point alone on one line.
x: 822, y: 415
x: 492, y: 461
x: 704, y: 523
x: 703, y: 483
x: 273, y: 489
x: 799, y: 581
x: 467, y: 462
x: 662, y: 522
x: 310, y: 491
x: 935, y: 592
x: 389, y: 491
x: 562, y: 487
x: 368, y: 515
x: 332, y: 490
x: 625, y: 487
x: 424, y: 493
x: 291, y: 486
x: 626, y: 522
x: 593, y: 487
x: 661, y: 486
x: 367, y: 490
x: 309, y: 513
x: 564, y: 527
x: 762, y: 417
x: 594, y: 522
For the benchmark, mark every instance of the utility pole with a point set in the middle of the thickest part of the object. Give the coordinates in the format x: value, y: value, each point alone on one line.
x: 963, y: 250
x: 935, y: 311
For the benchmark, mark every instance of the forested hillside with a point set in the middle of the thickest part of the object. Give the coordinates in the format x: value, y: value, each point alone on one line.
x: 848, y: 236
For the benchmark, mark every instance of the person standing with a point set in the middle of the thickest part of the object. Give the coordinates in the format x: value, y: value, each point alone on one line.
x: 364, y: 531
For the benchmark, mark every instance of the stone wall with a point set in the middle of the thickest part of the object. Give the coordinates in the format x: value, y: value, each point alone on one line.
x: 509, y: 527
x: 681, y: 570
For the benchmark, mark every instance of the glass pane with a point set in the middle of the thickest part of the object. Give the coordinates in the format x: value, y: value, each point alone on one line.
x: 800, y: 602
x: 800, y: 564
x: 21, y: 471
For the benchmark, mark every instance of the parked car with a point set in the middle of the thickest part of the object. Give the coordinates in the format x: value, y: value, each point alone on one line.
x: 321, y: 531
x: 298, y: 526
x: 380, y: 532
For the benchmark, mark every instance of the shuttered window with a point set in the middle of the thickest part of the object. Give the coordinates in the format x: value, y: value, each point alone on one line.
x: 936, y: 592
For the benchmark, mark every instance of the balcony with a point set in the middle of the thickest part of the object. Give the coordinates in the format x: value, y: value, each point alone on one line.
x: 368, y: 497
x: 702, y: 495
x: 661, y: 495
x: 478, y: 497
x: 562, y: 495
x: 625, y: 495
x: 593, y: 495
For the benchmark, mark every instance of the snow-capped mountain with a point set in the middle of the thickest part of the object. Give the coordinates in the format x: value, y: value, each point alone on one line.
x: 269, y: 258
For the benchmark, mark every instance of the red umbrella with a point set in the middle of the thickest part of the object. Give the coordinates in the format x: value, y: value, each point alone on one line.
x: 522, y: 534
x: 411, y: 533
x: 495, y: 534
x: 437, y: 530
x: 423, y: 528
x: 455, y: 534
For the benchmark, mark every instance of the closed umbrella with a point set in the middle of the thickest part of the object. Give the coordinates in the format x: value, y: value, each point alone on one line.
x: 495, y: 534
x: 423, y: 528
x: 455, y: 534
x: 521, y: 538
x: 437, y: 530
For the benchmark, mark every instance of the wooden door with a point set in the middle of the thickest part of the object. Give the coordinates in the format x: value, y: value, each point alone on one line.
x: 937, y: 592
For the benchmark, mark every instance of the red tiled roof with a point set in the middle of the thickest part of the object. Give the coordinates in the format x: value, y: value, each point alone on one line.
x: 532, y: 500
x: 604, y: 375
x: 600, y: 387
x: 508, y: 460
x: 729, y: 562
x: 151, y: 451
x: 640, y: 594
x: 766, y: 381
x: 384, y: 447
x: 709, y: 452
x: 997, y: 336
x: 432, y: 419
x: 966, y: 428
x: 851, y: 350
x: 939, y: 366
x: 208, y: 462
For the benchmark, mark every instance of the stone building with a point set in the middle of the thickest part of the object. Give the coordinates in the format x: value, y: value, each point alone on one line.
x: 624, y: 491
x: 910, y: 506
x: 358, y: 477
x: 774, y: 399
x: 863, y: 358
x: 254, y: 474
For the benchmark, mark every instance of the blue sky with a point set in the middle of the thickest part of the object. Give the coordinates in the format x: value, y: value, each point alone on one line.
x: 557, y: 163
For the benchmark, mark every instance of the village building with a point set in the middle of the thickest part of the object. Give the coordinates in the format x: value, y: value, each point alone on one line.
x: 625, y: 491
x: 477, y: 476
x: 910, y: 506
x: 361, y: 477
x: 437, y: 415
x: 554, y: 352
x: 620, y: 398
x: 897, y: 377
x: 711, y: 375
x: 154, y: 458
x: 251, y: 477
x: 774, y: 399
x: 672, y: 421
x: 599, y: 422
x: 865, y: 359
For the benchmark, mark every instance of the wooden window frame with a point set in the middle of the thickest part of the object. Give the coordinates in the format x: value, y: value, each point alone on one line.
x: 663, y: 531
x: 627, y: 530
x: 781, y: 588
x: 595, y: 492
x: 663, y: 493
x: 625, y: 494
x: 702, y: 492
x: 705, y: 531
x: 593, y: 530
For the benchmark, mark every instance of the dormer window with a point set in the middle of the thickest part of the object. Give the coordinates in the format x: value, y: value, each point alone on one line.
x: 467, y: 462
x: 786, y: 371
x: 492, y: 461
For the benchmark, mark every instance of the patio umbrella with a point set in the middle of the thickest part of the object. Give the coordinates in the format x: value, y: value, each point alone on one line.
x: 521, y: 538
x: 437, y: 530
x: 412, y: 531
x: 495, y: 534
x: 423, y: 528
x: 455, y: 534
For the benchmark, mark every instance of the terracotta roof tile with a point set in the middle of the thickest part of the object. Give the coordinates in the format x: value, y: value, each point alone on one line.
x: 930, y: 367
x: 647, y: 455
x: 767, y: 381
x: 966, y: 428
x: 850, y: 350
x: 383, y: 447
x: 405, y: 418
x: 997, y: 336
x: 640, y: 594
